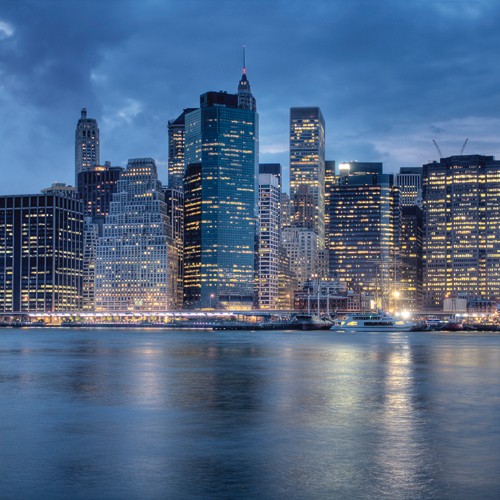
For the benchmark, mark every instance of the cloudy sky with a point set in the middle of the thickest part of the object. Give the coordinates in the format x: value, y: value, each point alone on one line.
x: 389, y: 76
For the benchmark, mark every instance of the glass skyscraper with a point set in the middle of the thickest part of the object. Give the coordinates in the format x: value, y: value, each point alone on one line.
x: 221, y: 151
x: 307, y: 161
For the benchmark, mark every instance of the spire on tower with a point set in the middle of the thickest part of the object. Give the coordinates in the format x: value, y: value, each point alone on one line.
x: 245, y: 97
x: 244, y: 61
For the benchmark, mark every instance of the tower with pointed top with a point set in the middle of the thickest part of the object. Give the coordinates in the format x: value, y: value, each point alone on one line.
x: 245, y: 98
x: 86, y: 144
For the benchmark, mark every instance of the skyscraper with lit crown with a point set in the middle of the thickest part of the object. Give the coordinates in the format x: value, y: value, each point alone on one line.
x: 86, y: 143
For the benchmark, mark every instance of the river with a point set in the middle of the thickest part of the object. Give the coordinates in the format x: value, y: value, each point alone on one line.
x: 95, y: 413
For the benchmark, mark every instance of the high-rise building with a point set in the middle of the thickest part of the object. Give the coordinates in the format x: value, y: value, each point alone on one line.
x: 364, y: 230
x: 307, y: 161
x: 304, y: 208
x: 40, y: 253
x: 174, y: 198
x: 86, y: 143
x: 269, y: 240
x: 273, y: 169
x: 301, y: 245
x: 330, y: 179
x: 409, y: 181
x: 221, y: 154
x: 461, y: 228
x: 286, y: 210
x: 96, y: 186
x: 176, y: 134
x: 136, y: 267
x: 410, y: 292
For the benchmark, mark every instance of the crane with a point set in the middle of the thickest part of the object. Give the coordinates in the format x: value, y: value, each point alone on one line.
x: 437, y: 147
x: 463, y: 147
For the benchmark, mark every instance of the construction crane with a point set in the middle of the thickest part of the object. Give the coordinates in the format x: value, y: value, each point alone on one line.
x: 463, y: 147
x: 437, y: 147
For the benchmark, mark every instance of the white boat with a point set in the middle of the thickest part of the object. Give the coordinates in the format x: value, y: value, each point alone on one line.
x: 371, y: 322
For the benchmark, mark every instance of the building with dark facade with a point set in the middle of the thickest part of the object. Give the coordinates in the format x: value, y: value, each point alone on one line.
x: 461, y: 201
x: 410, y: 291
x: 364, y: 230
x: 176, y: 133
x: 409, y: 181
x: 87, y: 146
x: 221, y: 144
x: 40, y: 253
x: 96, y: 186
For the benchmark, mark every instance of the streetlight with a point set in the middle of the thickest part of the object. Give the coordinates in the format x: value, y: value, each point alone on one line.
x: 211, y: 297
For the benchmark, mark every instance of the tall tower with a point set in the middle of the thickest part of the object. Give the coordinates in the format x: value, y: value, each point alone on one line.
x: 86, y: 143
x: 221, y: 157
x: 307, y: 161
x: 245, y: 98
x: 364, y: 230
x: 176, y: 149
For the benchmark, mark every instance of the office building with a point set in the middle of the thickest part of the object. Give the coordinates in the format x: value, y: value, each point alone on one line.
x: 409, y: 182
x: 40, y: 253
x: 96, y: 186
x: 221, y: 155
x: 330, y: 180
x: 176, y: 134
x: 286, y: 210
x: 301, y: 245
x: 461, y: 199
x: 136, y: 267
x: 364, y: 230
x: 86, y: 143
x: 268, y: 242
x: 409, y: 294
x: 307, y: 161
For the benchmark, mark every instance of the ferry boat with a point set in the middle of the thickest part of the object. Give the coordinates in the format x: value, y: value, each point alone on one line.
x: 371, y: 322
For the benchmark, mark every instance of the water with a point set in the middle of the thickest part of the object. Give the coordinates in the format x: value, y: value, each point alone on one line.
x: 162, y: 414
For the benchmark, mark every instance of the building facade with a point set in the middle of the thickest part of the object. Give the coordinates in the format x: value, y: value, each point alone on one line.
x: 87, y: 146
x: 364, y: 231
x: 269, y: 240
x: 301, y: 245
x: 462, y: 225
x: 409, y: 182
x: 221, y: 150
x: 40, y: 253
x: 136, y: 268
x: 307, y: 161
x: 176, y: 136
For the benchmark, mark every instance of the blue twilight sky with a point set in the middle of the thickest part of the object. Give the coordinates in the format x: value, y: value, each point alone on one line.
x: 389, y: 76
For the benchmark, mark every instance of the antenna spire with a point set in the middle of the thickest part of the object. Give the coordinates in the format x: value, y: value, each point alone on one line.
x: 244, y: 61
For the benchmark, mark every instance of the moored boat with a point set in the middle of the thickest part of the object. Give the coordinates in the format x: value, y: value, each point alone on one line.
x: 371, y: 322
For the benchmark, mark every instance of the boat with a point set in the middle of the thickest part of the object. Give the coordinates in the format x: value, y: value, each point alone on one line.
x: 379, y: 321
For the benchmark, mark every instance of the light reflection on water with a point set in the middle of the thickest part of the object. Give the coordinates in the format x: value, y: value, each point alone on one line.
x: 126, y: 414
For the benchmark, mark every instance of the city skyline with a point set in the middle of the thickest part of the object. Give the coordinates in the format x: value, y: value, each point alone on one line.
x: 388, y: 78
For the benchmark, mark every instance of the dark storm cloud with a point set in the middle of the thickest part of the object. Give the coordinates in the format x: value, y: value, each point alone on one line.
x: 388, y: 75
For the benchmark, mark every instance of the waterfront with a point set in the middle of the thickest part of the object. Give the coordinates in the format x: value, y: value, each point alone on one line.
x: 197, y: 414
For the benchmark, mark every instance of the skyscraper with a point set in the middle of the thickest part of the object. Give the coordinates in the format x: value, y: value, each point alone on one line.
x: 176, y: 134
x: 221, y: 150
x: 245, y: 98
x: 269, y: 240
x: 40, y: 253
x: 307, y: 161
x: 136, y: 261
x: 86, y: 143
x: 462, y: 225
x: 364, y: 230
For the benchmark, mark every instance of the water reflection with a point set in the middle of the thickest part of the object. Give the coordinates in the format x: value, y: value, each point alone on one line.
x: 143, y: 414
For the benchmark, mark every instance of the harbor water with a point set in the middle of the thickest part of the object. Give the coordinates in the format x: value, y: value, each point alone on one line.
x: 97, y: 413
